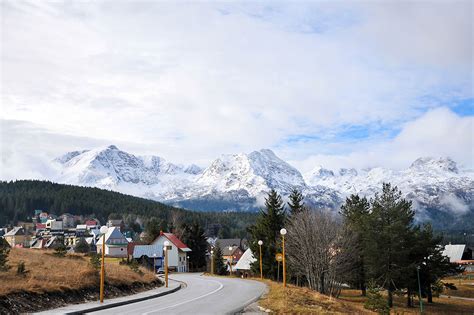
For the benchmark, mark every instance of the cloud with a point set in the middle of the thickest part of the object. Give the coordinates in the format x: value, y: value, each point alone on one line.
x: 191, y: 82
x: 438, y: 133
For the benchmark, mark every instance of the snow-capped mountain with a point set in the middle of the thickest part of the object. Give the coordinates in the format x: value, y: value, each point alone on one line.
x: 240, y: 181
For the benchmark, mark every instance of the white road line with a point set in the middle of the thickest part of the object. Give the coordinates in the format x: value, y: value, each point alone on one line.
x: 191, y: 300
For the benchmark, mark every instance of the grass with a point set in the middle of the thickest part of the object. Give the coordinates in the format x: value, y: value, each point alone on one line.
x: 48, y: 273
x: 297, y: 300
x: 464, y: 286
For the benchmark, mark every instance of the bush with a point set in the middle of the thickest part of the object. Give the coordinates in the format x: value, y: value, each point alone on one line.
x: 60, y: 250
x: 437, y: 288
x: 82, y: 246
x: 4, y: 251
x: 135, y: 267
x: 95, y: 261
x: 21, y: 269
x: 375, y: 301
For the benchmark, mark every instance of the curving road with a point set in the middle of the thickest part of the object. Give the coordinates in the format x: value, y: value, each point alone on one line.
x: 201, y: 295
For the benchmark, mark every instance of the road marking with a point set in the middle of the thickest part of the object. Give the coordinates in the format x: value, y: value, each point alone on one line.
x: 191, y: 300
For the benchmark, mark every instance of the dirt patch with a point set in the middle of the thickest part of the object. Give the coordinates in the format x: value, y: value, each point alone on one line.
x: 26, y: 302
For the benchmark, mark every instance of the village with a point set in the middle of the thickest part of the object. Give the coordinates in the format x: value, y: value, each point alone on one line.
x: 83, y: 235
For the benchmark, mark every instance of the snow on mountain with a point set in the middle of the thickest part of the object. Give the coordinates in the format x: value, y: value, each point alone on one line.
x: 428, y: 182
x: 240, y: 181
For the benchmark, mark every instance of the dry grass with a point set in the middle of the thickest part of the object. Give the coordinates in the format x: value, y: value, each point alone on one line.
x: 296, y: 300
x: 440, y: 305
x: 465, y: 287
x: 50, y: 273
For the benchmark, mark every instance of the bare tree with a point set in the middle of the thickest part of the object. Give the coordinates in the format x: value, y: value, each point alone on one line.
x: 321, y: 248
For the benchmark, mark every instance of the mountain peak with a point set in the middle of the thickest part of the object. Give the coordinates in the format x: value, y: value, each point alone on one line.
x: 429, y: 163
x: 113, y: 147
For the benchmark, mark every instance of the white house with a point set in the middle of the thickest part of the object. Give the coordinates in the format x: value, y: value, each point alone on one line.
x: 245, y: 261
x: 115, y: 243
x: 177, y: 258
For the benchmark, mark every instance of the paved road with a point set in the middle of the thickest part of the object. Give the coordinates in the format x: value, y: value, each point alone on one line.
x: 202, y: 295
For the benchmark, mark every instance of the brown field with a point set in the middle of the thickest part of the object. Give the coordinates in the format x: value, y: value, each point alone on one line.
x: 304, y: 301
x: 47, y: 273
x: 465, y: 286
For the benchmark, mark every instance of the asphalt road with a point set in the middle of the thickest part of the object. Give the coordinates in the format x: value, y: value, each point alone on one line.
x: 202, y: 295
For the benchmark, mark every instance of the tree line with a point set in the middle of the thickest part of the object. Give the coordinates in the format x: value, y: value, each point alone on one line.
x: 370, y: 244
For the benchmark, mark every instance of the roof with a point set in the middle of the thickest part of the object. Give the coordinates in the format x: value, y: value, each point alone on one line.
x: 81, y: 227
x: 224, y: 244
x: 245, y: 261
x: 454, y: 252
x: 92, y: 222
x: 175, y: 240
x: 17, y: 230
x: 113, y: 237
x: 40, y: 226
x: 227, y: 252
x: 148, y: 250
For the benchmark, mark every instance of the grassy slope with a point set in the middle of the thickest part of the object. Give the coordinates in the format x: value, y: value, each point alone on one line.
x: 304, y: 301
x: 49, y: 273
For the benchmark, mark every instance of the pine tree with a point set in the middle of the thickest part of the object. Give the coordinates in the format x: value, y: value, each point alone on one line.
x: 82, y: 246
x: 267, y: 228
x: 4, y: 251
x: 60, y: 250
x: 355, y: 212
x: 388, y: 239
x: 219, y: 264
x: 295, y: 201
x: 194, y: 236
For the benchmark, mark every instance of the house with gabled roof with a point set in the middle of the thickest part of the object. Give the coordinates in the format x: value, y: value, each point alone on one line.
x: 178, y: 257
x: 16, y: 237
x: 115, y: 243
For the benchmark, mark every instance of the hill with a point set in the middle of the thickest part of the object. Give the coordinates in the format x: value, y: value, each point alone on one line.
x: 18, y: 199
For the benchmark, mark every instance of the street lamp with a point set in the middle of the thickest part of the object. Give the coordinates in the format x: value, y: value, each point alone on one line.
x: 419, y: 288
x: 166, y: 243
x: 103, y: 231
x: 187, y: 261
x: 154, y: 263
x: 231, y: 259
x: 212, y: 262
x: 260, y: 243
x: 283, y: 233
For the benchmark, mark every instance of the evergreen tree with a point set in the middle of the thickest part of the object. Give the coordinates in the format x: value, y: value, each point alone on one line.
x: 355, y: 212
x: 219, y: 265
x: 267, y: 228
x: 295, y: 201
x: 60, y: 250
x: 4, y: 251
x: 195, y: 238
x: 153, y: 228
x: 82, y: 246
x: 388, y: 239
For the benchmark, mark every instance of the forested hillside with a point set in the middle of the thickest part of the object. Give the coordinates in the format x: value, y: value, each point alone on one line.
x: 18, y: 199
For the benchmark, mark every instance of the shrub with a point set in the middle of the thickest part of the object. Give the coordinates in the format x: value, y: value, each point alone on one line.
x: 375, y: 300
x: 21, y: 269
x: 135, y: 267
x: 60, y: 250
x: 95, y: 261
x: 4, y: 251
x: 82, y: 246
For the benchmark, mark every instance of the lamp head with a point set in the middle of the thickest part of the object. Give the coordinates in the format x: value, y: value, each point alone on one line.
x: 283, y: 231
x: 166, y: 243
x: 230, y: 247
x: 212, y: 252
x: 104, y: 229
x: 260, y: 242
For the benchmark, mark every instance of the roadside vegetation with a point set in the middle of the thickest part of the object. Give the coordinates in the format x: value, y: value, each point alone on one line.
x: 374, y: 246
x: 47, y: 272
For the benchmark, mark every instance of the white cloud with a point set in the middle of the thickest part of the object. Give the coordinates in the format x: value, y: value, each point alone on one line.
x: 191, y: 82
x: 438, y: 133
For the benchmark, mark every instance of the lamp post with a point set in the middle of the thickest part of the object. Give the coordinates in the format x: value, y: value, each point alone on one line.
x: 283, y: 233
x: 212, y: 262
x: 260, y: 243
x: 103, y: 231
x: 419, y: 288
x: 187, y: 261
x: 154, y: 263
x: 166, y: 243
x: 231, y: 259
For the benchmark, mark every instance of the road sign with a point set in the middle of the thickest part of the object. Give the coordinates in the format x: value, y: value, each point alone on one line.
x: 279, y: 257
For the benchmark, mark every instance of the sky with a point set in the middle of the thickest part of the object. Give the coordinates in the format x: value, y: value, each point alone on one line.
x: 339, y: 84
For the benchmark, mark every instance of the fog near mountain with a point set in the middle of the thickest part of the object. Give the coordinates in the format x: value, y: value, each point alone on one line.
x: 239, y: 182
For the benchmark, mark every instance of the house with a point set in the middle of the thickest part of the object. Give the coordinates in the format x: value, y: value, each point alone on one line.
x: 115, y: 243
x: 54, y: 225
x: 457, y: 252
x: 116, y: 223
x: 233, y: 254
x: 16, y: 237
x: 460, y: 254
x: 151, y: 254
x: 92, y: 224
x: 177, y: 258
x: 243, y: 265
